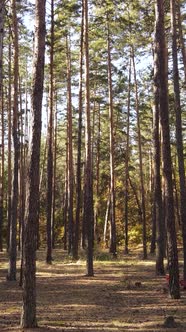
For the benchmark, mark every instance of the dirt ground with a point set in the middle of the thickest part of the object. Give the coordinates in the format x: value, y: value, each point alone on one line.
x: 124, y: 295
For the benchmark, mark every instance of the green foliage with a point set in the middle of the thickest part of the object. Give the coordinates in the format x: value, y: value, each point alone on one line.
x: 135, y: 234
x: 128, y: 23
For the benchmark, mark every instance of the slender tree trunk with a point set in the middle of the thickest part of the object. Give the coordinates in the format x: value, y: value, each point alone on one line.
x: 41, y: 177
x: 96, y: 208
x: 28, y: 316
x: 54, y: 177
x: 157, y: 199
x: 140, y: 160
x: 65, y: 207
x: 176, y: 196
x: 153, y: 234
x: 111, y: 129
x: 70, y: 150
x: 153, y: 207
x: 22, y: 179
x: 21, y: 182
x: 88, y: 195
x: 161, y: 51
x: 2, y: 122
x: 14, y: 203
x: 79, y: 148
x: 9, y: 106
x: 179, y: 135
x: 107, y: 214
x: 50, y: 145
x: 23, y: 174
x: 137, y: 200
x: 126, y: 250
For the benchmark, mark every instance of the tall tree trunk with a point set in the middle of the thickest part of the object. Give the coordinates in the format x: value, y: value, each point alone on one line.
x: 9, y: 107
x: 65, y: 206
x: 23, y: 171
x: 96, y: 207
x: 79, y: 148
x: 13, y: 222
x: 88, y: 195
x: 137, y: 200
x: 161, y: 51
x: 157, y: 199
x: 126, y: 250
x: 21, y: 182
x: 2, y: 122
x: 41, y: 177
x: 2, y: 163
x: 70, y: 149
x: 50, y: 145
x: 176, y: 196
x: 140, y: 160
x: 28, y: 316
x: 179, y: 136
x: 54, y: 176
x: 22, y: 179
x: 107, y: 215
x: 111, y: 130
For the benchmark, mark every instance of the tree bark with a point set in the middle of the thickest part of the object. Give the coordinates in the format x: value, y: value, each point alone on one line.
x: 126, y: 250
x: 161, y: 51
x: 79, y: 148
x: 28, y: 316
x: 179, y: 135
x: 157, y: 199
x: 113, y: 249
x: 88, y: 195
x: 50, y: 145
x: 107, y: 215
x: 97, y: 185
x: 54, y: 177
x: 70, y: 149
x: 9, y: 107
x: 14, y: 203
x: 2, y: 122
x: 65, y: 206
x: 143, y: 208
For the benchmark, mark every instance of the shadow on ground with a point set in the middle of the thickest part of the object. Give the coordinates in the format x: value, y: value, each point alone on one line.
x: 124, y: 295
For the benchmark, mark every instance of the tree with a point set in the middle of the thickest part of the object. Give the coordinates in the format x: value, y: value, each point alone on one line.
x: 126, y: 251
x: 50, y: 144
x: 161, y: 52
x: 2, y: 122
x: 14, y: 203
x: 28, y: 316
x: 179, y: 135
x: 79, y: 147
x: 157, y: 197
x: 88, y: 194
x: 143, y: 209
x: 111, y: 129
x: 9, y: 139
x: 70, y: 149
x: 54, y: 176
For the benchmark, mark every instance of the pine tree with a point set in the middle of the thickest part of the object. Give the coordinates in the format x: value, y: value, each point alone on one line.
x: 14, y: 203
x: 161, y: 51
x: 28, y: 316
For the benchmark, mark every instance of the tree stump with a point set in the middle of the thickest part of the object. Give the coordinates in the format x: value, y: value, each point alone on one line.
x: 169, y: 322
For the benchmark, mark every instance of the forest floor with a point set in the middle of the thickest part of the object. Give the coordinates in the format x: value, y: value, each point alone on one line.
x: 124, y: 295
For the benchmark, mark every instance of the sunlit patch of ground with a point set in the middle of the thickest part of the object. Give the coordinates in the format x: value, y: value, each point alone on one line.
x: 124, y: 295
